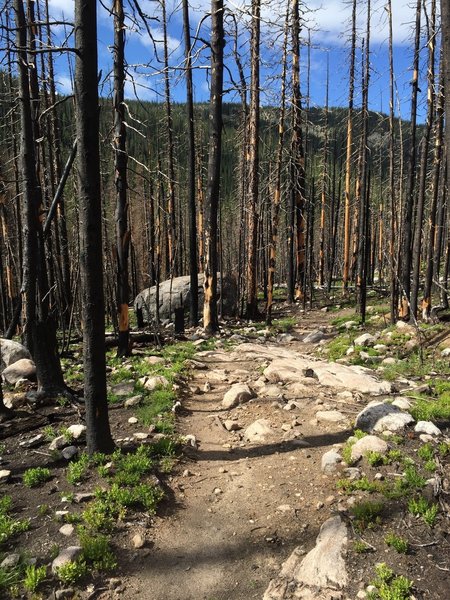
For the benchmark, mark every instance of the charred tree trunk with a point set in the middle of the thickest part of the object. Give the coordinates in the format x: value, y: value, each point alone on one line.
x: 253, y: 161
x: 210, y: 317
x: 123, y: 233
x: 193, y: 267
x: 405, y: 258
x: 91, y: 265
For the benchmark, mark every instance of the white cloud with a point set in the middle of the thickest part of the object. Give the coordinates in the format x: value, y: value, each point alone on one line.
x: 62, y: 7
x: 64, y: 84
x: 138, y: 85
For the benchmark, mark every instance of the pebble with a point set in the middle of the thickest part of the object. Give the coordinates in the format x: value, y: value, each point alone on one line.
x: 133, y: 420
x: 218, y: 491
x: 10, y: 561
x: 138, y: 541
x: 4, y: 475
x: 67, y: 529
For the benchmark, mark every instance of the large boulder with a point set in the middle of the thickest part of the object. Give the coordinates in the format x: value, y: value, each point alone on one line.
x: 21, y: 369
x: 382, y: 416
x: 11, y: 352
x: 175, y: 293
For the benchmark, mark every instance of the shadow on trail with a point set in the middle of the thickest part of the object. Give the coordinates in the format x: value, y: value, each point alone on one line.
x: 315, y: 441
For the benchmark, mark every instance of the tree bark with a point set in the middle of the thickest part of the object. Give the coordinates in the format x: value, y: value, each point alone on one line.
x: 91, y: 264
x: 210, y: 317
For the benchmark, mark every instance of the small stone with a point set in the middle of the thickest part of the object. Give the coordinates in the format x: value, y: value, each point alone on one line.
x: 67, y: 529
x: 379, y: 476
x: 133, y: 401
x: 319, y: 505
x: 123, y: 389
x: 218, y: 491
x: 194, y: 389
x: 68, y: 555
x: 133, y: 420
x: 155, y: 382
x: 5, y: 474
x: 330, y: 461
x: 427, y: 427
x: 69, y: 452
x: 187, y: 473
x: 425, y: 438
x: 366, y: 339
x: 330, y: 500
x: 284, y: 508
x: 352, y: 473
x: 231, y: 425
x: 369, y: 443
x: 154, y: 360
x: 390, y: 360
x: 58, y: 443
x: 207, y: 387
x: 60, y: 514
x: 138, y: 541
x: 191, y: 440
x: 445, y: 352
x: 10, y: 561
x: 330, y: 416
x: 140, y: 435
x: 237, y: 394
x: 77, y: 432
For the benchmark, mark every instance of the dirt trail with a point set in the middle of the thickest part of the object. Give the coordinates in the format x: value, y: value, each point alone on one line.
x: 240, y: 508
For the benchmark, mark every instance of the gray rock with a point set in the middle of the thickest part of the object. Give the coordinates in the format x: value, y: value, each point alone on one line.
x: 369, y: 443
x: 10, y: 561
x: 152, y: 383
x: 314, y: 337
x: 352, y: 473
x: 350, y: 324
x: 133, y: 401
x: 68, y: 555
x: 445, y: 352
x: 366, y: 339
x: 77, y: 432
x: 330, y: 461
x: 123, y: 389
x: 14, y: 401
x: 67, y: 529
x: 5, y: 475
x: 231, y: 425
x: 402, y: 403
x: 427, y: 427
x: 58, y: 443
x: 175, y: 293
x: 319, y: 574
x: 331, y: 416
x: 133, y: 420
x: 21, y: 369
x: 259, y: 431
x: 11, y: 352
x: 411, y: 345
x: 380, y: 348
x: 237, y: 394
x: 69, y: 452
x: 382, y: 416
x: 390, y: 360
x: 83, y: 497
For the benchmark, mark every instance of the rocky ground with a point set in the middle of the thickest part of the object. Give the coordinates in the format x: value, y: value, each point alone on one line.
x: 274, y: 496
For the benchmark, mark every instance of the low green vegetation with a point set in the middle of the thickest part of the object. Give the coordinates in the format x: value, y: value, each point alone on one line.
x: 366, y: 515
x: 34, y: 577
x: 77, y: 470
x: 397, y: 542
x: 390, y: 586
x: 420, y: 506
x: 361, y: 485
x: 36, y: 476
x: 361, y: 547
x: 347, y: 448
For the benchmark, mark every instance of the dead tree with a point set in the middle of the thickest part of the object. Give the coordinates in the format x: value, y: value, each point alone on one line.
x: 210, y: 317
x: 123, y: 234
x: 90, y: 228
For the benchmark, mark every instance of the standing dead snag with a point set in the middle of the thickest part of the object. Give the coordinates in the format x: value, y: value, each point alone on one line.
x: 210, y: 317
x: 277, y: 191
x: 348, y: 160
x: 253, y: 160
x: 40, y: 325
x: 90, y: 231
x: 123, y: 234
x: 193, y: 267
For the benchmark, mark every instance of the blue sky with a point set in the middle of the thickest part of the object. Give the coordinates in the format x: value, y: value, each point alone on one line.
x: 329, y: 22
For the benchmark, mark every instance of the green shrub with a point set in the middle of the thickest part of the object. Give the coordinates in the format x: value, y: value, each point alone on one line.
x: 34, y: 576
x: 10, y: 527
x: 77, y: 470
x: 36, y: 476
x: 420, y: 506
x: 96, y: 550
x: 72, y: 572
x: 397, y: 542
x: 390, y: 586
x: 367, y: 514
